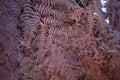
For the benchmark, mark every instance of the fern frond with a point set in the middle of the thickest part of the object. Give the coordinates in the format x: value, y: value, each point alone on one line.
x: 47, y: 11
x: 50, y: 21
x: 56, y: 3
x: 76, y: 14
x: 30, y: 22
x: 100, y: 18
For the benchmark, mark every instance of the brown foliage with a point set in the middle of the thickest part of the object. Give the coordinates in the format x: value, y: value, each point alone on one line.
x: 58, y: 40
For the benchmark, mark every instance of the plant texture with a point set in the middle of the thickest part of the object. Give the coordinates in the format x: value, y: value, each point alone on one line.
x: 59, y: 40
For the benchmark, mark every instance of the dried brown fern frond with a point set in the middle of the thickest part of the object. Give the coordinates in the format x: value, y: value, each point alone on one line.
x: 57, y: 3
x: 29, y: 23
x: 95, y: 18
x: 92, y: 69
x: 50, y: 21
x: 57, y: 10
x: 44, y: 40
x: 49, y: 14
x: 100, y: 18
x: 76, y: 14
x: 91, y: 22
x: 66, y: 65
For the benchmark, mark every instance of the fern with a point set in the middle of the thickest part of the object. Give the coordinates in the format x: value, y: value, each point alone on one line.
x: 56, y: 3
x: 76, y: 14
x: 65, y: 53
x: 47, y: 10
x: 52, y: 21
x: 100, y: 18
x: 29, y: 22
x: 53, y: 12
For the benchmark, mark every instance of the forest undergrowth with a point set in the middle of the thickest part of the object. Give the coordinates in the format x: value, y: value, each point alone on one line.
x: 59, y: 40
